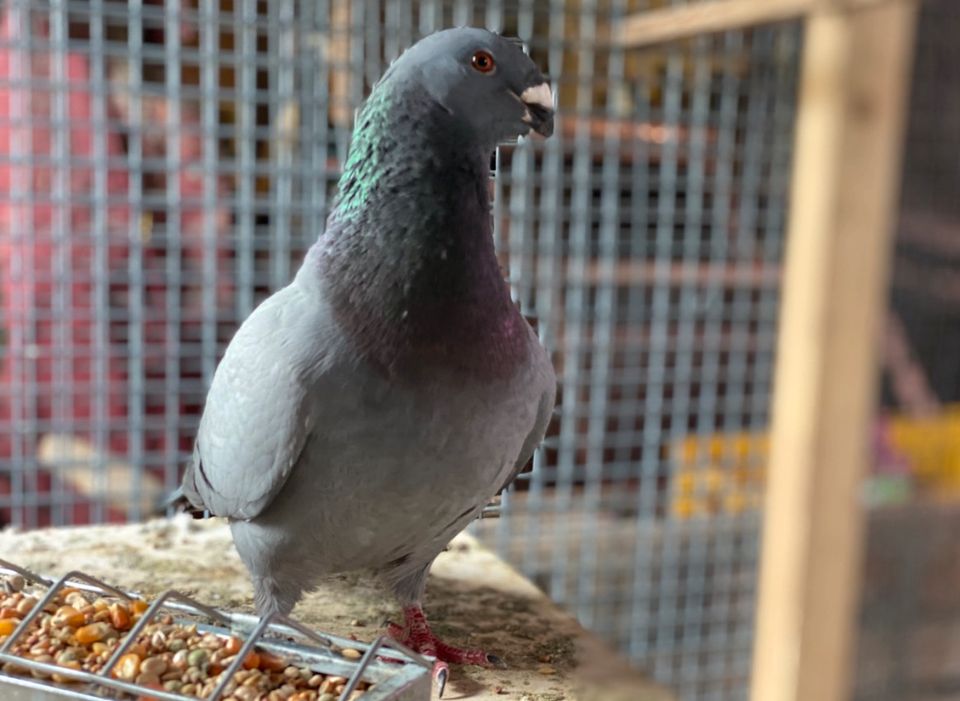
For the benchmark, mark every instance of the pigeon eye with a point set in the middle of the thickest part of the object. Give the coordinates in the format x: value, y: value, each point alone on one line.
x: 483, y: 61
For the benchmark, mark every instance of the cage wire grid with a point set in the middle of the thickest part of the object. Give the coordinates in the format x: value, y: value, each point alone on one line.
x: 164, y: 166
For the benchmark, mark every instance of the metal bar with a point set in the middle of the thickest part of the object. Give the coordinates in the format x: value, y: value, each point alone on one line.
x: 602, y: 348
x: 391, y: 41
x: 245, y: 138
x: 370, y: 654
x: 310, y: 112
x: 61, y: 240
x: 396, y: 681
x: 48, y: 597
x: 209, y: 45
x: 461, y: 12
x: 7, y: 566
x: 645, y: 499
x: 667, y: 616
x: 241, y: 655
x: 19, y: 188
x: 101, y: 294
x: 30, y: 431
x: 493, y: 19
x: 282, y: 82
x: 576, y: 298
x: 694, y: 558
x: 355, y: 16
x: 430, y: 16
x: 174, y: 168
x: 136, y: 341
x: 153, y: 13
x: 149, y: 615
x: 711, y: 339
x: 373, y: 38
x: 280, y: 621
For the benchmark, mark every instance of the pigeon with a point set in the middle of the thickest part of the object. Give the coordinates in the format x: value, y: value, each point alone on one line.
x: 366, y: 413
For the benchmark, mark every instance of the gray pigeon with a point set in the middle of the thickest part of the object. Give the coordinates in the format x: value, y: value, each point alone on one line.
x: 367, y: 412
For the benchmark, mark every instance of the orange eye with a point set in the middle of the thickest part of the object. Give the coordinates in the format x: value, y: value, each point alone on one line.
x: 483, y: 61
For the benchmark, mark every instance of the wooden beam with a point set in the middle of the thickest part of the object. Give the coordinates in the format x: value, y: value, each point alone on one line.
x: 844, y: 190
x: 713, y: 16
x: 640, y: 273
x: 75, y: 461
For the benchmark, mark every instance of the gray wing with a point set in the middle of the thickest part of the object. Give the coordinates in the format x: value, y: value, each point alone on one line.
x: 257, y: 416
x: 533, y: 439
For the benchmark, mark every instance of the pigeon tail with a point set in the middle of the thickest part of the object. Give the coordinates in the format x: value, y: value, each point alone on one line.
x: 177, y: 502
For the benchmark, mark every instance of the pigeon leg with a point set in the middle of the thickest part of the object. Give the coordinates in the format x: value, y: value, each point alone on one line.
x: 416, y: 635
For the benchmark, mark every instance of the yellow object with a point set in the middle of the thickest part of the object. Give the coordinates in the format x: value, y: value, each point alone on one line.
x: 932, y: 447
x: 718, y: 473
x: 725, y: 472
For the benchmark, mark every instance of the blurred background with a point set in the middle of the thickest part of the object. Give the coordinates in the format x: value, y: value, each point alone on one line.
x: 165, y: 165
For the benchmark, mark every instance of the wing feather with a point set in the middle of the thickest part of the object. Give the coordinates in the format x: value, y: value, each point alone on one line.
x: 257, y: 417
x: 540, y: 423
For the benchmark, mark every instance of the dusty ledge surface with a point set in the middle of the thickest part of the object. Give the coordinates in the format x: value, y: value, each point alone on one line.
x: 473, y: 599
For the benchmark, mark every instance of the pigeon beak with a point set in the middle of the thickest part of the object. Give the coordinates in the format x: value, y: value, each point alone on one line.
x: 538, y: 99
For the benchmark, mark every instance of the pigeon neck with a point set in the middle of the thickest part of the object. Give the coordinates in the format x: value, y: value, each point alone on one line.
x: 408, y: 260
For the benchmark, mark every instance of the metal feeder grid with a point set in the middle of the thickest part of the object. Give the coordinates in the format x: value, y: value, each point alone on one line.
x: 410, y: 680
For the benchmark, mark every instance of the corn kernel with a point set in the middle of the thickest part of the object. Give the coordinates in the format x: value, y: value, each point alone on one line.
x: 128, y: 667
x: 8, y: 625
x: 271, y: 662
x: 119, y: 616
x: 232, y: 646
x: 252, y: 661
x: 68, y: 616
x: 92, y: 633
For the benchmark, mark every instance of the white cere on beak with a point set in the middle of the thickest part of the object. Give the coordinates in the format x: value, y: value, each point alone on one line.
x: 538, y: 95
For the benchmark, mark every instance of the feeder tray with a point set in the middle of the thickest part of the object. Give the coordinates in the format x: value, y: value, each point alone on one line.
x: 405, y: 676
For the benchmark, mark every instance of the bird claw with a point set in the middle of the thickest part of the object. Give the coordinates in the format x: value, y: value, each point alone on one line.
x: 417, y: 636
x: 496, y: 661
x: 440, y: 673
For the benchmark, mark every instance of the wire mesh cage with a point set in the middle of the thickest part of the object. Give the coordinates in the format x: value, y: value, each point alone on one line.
x: 651, y: 259
x: 167, y: 166
x: 164, y: 166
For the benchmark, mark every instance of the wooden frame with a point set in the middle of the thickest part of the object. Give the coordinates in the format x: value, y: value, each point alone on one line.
x: 844, y: 190
x: 856, y: 62
x: 710, y: 16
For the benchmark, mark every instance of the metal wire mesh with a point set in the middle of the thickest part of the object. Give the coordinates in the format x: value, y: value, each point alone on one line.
x: 651, y: 259
x: 165, y: 165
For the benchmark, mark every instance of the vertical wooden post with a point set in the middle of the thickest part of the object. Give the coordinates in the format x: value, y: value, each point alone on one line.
x: 844, y: 193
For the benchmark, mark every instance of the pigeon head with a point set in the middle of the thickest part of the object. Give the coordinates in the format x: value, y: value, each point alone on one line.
x: 407, y: 258
x: 489, y: 90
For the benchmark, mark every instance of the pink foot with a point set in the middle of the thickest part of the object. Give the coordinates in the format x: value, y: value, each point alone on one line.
x: 416, y: 635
